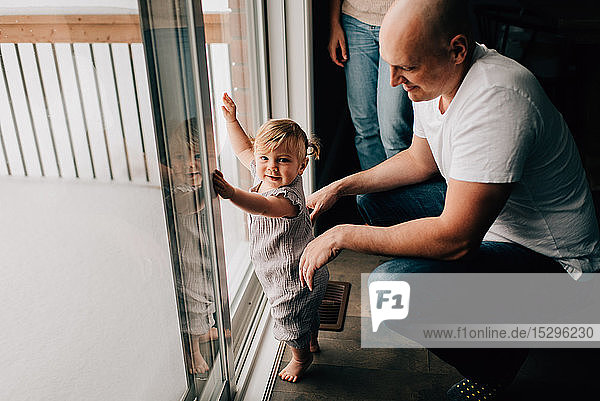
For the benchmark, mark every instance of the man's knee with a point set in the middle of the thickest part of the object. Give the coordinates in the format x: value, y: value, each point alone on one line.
x: 362, y: 201
x: 382, y: 208
x: 365, y: 203
x: 388, y: 270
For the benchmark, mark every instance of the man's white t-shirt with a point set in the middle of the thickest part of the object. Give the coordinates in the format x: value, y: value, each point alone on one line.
x: 502, y: 128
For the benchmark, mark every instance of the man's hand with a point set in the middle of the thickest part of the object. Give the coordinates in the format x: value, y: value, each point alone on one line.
x: 221, y: 186
x: 337, y: 40
x: 319, y: 252
x: 322, y: 200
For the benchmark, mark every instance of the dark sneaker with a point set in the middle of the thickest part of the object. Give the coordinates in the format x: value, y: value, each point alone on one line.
x: 468, y: 390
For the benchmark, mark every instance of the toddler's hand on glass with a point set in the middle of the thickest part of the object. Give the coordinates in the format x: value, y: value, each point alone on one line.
x: 228, y: 108
x: 221, y: 186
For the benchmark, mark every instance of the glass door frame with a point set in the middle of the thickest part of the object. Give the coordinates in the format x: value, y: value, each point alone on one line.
x: 192, y: 21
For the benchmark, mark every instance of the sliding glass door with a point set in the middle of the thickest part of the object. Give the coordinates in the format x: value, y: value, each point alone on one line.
x: 194, y: 54
x: 89, y: 309
x: 123, y: 276
x: 177, y: 69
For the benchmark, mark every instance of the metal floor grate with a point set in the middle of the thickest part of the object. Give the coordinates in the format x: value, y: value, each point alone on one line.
x: 333, y: 308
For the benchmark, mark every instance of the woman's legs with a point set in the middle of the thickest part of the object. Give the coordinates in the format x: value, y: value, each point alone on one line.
x: 395, y: 113
x: 361, y: 89
x: 382, y: 115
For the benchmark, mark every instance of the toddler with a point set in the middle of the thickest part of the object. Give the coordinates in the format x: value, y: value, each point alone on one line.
x: 280, y: 229
x: 194, y: 284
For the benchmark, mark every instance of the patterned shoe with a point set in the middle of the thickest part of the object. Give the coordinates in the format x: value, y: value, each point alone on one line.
x: 468, y: 390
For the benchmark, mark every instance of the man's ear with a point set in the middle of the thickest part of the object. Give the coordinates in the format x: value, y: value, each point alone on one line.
x: 303, y: 166
x: 459, y: 45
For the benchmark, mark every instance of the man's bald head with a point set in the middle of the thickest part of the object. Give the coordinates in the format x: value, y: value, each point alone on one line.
x: 433, y: 23
x: 427, y: 45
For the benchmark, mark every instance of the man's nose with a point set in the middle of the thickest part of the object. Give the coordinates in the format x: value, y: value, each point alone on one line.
x: 396, y: 78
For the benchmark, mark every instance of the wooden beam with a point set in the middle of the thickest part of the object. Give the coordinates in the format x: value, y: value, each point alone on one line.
x: 89, y: 28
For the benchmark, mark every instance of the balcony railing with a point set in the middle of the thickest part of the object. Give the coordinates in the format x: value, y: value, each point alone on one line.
x: 75, y: 94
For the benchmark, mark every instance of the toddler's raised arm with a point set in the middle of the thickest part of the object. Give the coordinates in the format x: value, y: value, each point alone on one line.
x: 241, y: 144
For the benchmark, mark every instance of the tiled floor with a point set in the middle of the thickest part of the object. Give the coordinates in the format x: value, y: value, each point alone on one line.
x: 345, y: 371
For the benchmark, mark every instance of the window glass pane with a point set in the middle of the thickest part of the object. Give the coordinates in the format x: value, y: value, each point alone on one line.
x: 172, y: 33
x: 88, y: 292
x: 190, y: 239
x: 232, y: 51
x: 112, y: 191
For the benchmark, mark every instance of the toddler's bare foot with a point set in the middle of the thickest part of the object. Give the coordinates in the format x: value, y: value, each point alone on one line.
x: 301, y: 360
x: 198, y: 362
x: 314, y: 342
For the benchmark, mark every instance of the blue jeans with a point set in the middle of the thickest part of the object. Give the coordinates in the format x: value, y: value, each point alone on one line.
x: 427, y: 200
x: 382, y: 115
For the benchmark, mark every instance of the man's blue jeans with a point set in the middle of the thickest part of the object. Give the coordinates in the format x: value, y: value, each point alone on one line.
x: 427, y: 200
x: 382, y: 115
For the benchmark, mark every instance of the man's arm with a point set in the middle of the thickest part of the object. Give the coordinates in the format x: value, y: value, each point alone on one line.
x: 413, y: 165
x: 469, y: 211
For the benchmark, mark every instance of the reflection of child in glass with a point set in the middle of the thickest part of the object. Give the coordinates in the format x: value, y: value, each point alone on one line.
x: 279, y: 229
x: 194, y: 279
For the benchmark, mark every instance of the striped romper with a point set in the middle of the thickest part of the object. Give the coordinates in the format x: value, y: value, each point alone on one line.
x: 194, y: 283
x: 276, y: 246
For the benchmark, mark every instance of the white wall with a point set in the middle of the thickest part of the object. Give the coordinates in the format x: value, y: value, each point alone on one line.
x: 290, y: 66
x: 88, y: 303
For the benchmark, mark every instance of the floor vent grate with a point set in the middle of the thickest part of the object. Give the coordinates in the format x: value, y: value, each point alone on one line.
x: 333, y: 308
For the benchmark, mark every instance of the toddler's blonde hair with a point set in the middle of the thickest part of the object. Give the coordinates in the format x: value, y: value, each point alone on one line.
x: 185, y: 135
x: 285, y: 132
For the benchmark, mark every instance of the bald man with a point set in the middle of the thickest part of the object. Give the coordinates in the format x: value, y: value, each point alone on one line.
x: 512, y: 197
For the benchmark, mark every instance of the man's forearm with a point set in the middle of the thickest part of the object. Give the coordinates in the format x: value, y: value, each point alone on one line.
x: 426, y: 237
x: 397, y: 171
